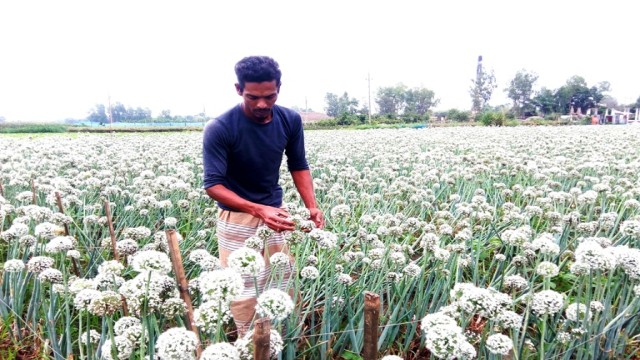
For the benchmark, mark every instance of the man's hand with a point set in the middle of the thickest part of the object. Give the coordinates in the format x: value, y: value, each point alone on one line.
x: 275, y: 218
x: 317, y: 217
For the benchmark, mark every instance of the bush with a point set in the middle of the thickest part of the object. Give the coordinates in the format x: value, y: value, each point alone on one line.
x: 32, y: 128
x: 458, y: 116
x: 492, y: 118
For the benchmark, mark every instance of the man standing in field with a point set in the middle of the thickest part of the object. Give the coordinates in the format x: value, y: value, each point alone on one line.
x: 242, y: 153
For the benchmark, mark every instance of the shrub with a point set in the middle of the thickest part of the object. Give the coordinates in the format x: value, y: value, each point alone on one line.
x: 493, y: 118
x: 458, y: 116
x: 32, y: 128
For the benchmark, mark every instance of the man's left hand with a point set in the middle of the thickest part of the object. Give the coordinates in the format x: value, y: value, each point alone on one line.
x: 317, y: 217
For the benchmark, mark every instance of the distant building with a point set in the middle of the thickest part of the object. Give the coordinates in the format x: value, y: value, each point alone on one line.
x: 612, y: 116
x: 312, y: 116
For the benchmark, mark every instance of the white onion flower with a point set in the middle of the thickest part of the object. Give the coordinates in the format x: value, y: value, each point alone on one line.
x: 577, y: 312
x: 220, y: 351
x: 13, y: 265
x: 177, y: 344
x: 151, y: 260
x: 60, y: 244
x: 499, y: 344
x: 280, y: 259
x: 94, y: 337
x: 547, y: 269
x: 547, y: 302
x: 211, y: 315
x: 110, y: 267
x: 246, y: 261
x: 274, y: 304
x: 51, y: 275
x: 309, y: 273
x: 39, y: 263
x: 220, y: 285
x: 106, y: 303
x: 84, y: 297
x: 129, y: 327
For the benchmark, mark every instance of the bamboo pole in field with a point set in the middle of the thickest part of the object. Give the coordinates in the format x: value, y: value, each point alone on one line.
x: 1, y: 188
x: 34, y: 198
x: 371, y: 319
x: 262, y: 339
x: 66, y: 233
x: 112, y: 233
x: 183, y: 286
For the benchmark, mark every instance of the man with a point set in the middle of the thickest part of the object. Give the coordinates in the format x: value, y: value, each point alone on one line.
x: 242, y: 153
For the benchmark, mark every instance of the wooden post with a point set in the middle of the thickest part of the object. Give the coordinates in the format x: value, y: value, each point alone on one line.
x: 34, y: 198
x: 1, y: 188
x: 66, y: 233
x: 61, y: 209
x: 112, y: 233
x: 262, y: 339
x: 371, y: 319
x: 183, y: 286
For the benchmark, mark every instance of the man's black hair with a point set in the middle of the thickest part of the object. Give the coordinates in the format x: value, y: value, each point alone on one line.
x: 257, y: 69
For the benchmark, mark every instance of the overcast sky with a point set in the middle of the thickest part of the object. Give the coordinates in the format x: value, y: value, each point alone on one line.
x: 60, y: 58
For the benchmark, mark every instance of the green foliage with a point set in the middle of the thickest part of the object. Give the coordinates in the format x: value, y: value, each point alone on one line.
x: 493, y: 118
x: 411, y: 104
x: 481, y: 90
x: 32, y: 128
x: 458, y: 116
x: 340, y: 105
x: 520, y: 91
x: 98, y: 114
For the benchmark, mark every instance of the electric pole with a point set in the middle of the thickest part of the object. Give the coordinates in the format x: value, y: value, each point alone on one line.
x: 110, y: 115
x: 369, y: 89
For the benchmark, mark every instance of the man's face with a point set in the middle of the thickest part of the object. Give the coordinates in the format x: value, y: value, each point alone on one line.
x: 258, y: 99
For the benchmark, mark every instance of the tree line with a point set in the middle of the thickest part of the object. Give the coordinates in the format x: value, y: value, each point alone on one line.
x: 120, y: 113
x: 403, y: 104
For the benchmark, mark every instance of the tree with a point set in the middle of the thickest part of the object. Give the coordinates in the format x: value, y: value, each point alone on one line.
x: 609, y: 102
x: 520, y: 91
x: 577, y: 95
x: 98, y: 114
x: 391, y: 100
x: 545, y: 101
x: 118, y: 112
x: 457, y: 115
x: 418, y: 101
x: 481, y: 90
x: 165, y: 114
x: 343, y: 105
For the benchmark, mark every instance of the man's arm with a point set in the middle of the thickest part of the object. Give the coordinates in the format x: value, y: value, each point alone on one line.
x: 273, y: 217
x: 304, y: 184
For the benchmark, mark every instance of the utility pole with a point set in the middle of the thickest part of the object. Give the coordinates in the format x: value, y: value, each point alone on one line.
x: 306, y: 109
x: 110, y: 115
x: 369, y: 88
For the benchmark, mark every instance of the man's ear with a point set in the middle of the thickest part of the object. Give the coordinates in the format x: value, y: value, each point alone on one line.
x: 278, y: 88
x: 238, y: 89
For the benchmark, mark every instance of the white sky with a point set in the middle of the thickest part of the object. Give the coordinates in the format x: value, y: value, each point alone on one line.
x: 60, y: 58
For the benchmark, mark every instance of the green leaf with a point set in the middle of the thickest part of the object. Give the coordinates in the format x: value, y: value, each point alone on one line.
x: 349, y: 355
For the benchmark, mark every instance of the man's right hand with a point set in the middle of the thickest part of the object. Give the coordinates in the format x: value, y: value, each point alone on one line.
x: 275, y: 218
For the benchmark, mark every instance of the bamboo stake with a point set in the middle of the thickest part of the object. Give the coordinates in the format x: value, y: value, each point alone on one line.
x: 262, y: 339
x: 66, y: 233
x: 1, y: 188
x: 181, y: 279
x: 371, y: 319
x: 34, y: 198
x: 112, y: 233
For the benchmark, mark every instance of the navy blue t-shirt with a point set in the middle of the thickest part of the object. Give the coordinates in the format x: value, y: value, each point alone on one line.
x: 245, y: 156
